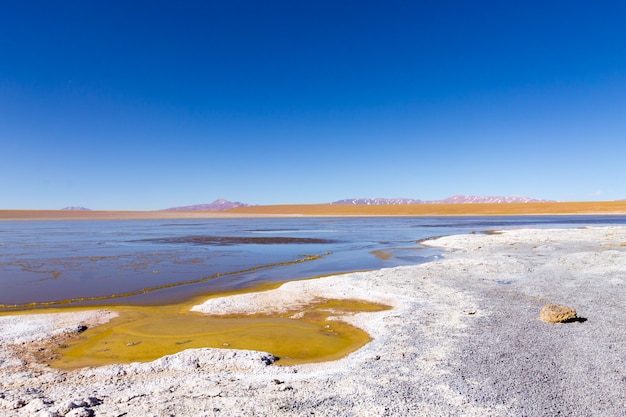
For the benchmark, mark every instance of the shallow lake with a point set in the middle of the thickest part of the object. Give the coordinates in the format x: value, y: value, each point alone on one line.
x: 157, y: 262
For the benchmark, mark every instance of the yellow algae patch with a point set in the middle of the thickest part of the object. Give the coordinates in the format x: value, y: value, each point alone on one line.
x: 391, y: 252
x: 142, y: 334
x: 381, y: 254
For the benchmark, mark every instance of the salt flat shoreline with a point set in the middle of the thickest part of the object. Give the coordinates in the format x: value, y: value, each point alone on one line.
x: 463, y: 339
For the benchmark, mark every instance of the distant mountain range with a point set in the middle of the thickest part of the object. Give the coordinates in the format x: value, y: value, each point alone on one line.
x: 76, y: 208
x: 217, y: 205
x: 456, y: 199
x: 220, y: 205
x: 378, y: 201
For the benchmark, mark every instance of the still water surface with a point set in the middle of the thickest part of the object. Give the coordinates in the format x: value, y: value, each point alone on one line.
x: 156, y: 261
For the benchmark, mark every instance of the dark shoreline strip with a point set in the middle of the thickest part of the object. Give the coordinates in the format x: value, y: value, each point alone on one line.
x: 236, y: 240
x: 12, y: 307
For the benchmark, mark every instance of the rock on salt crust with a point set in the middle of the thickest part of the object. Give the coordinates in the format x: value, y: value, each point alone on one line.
x: 554, y: 313
x: 464, y: 339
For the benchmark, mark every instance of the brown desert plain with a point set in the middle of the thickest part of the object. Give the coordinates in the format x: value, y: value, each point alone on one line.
x: 289, y: 210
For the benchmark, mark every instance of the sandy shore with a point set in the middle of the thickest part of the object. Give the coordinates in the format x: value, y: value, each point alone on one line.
x: 337, y: 210
x: 464, y: 339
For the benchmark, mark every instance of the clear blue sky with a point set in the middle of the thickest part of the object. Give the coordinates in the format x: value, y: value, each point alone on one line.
x: 153, y: 104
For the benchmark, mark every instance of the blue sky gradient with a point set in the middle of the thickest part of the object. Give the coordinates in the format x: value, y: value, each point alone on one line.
x: 147, y: 105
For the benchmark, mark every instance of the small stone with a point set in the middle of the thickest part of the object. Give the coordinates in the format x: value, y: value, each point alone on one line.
x: 80, y: 412
x: 65, y: 407
x: 12, y: 404
x: 554, y: 313
x: 92, y: 401
x: 46, y: 413
x: 34, y: 405
x: 213, y: 392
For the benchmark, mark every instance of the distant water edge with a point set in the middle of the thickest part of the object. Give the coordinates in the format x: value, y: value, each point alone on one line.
x: 158, y: 261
